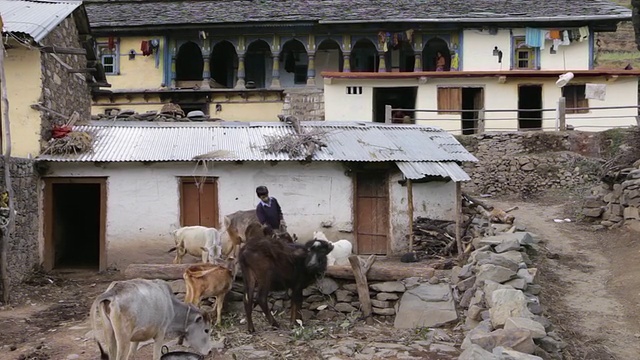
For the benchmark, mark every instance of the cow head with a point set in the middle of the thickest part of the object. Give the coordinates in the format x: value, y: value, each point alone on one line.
x: 317, y: 251
x: 197, y: 331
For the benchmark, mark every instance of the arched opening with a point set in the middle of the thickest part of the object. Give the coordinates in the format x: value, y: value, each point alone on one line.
x: 258, y: 64
x: 431, y: 61
x: 224, y: 64
x: 400, y: 58
x: 294, y: 63
x: 189, y: 62
x: 364, y: 56
x: 328, y: 58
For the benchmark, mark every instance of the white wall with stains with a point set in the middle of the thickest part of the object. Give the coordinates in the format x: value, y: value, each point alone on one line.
x: 143, y: 201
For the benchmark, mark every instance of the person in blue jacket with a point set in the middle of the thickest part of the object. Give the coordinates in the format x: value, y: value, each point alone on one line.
x: 268, y: 210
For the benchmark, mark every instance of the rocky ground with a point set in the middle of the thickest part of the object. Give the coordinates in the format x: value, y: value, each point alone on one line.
x: 588, y: 291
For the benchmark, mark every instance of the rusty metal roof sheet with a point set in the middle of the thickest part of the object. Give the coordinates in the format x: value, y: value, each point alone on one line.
x: 35, y: 18
x: 231, y: 141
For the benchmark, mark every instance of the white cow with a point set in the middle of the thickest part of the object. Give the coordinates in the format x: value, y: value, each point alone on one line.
x: 138, y: 310
x: 199, y: 241
x: 341, y: 249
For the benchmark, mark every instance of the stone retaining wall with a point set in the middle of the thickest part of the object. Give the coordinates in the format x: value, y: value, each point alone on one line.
x: 23, y: 250
x: 528, y: 163
x: 305, y: 104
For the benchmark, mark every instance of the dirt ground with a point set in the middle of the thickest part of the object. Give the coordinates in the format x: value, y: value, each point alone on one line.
x: 591, y: 293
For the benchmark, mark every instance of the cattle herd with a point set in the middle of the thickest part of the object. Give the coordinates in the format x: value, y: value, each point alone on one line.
x: 139, y: 310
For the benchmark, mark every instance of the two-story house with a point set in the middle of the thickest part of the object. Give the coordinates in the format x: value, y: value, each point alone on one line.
x: 50, y: 67
x: 240, y: 60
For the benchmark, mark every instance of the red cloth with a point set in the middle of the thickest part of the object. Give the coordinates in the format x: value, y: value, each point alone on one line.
x: 112, y: 43
x: 60, y: 131
x: 145, y: 47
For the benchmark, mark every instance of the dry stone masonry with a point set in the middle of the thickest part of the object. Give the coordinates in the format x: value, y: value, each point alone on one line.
x: 305, y: 104
x: 22, y: 252
x: 498, y: 291
x: 62, y: 91
x: 527, y: 163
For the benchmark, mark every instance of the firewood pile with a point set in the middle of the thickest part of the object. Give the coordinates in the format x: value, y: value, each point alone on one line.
x: 437, y: 238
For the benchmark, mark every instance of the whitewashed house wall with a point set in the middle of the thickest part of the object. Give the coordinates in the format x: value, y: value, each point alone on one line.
x: 143, y: 201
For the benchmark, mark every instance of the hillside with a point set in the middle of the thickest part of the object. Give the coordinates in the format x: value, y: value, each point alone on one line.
x: 617, y: 49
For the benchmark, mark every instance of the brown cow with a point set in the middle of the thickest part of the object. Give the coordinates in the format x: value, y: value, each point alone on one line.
x: 235, y: 227
x: 209, y: 280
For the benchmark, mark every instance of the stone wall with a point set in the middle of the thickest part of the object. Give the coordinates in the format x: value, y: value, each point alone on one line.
x: 305, y: 104
x: 62, y: 91
x: 530, y: 162
x: 23, y: 250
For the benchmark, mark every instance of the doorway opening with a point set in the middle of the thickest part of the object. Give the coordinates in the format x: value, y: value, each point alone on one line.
x: 398, y: 98
x: 530, y: 107
x: 75, y: 212
x: 473, y: 100
x: 372, y: 213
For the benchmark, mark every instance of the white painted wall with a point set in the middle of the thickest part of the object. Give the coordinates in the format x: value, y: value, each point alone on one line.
x: 434, y: 200
x: 326, y: 60
x: 622, y: 92
x: 477, y: 52
x: 143, y: 201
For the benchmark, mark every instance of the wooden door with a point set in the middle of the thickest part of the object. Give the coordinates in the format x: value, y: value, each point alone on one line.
x: 199, y: 202
x: 372, y: 213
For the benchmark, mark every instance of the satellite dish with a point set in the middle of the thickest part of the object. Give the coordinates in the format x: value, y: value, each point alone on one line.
x: 564, y: 79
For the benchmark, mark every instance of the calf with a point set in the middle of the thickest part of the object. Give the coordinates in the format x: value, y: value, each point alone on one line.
x: 193, y: 240
x: 209, y: 280
x: 341, y: 250
x: 268, y: 264
x: 139, y: 310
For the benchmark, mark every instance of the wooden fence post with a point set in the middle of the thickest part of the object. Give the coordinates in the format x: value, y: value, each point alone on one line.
x: 387, y: 114
x: 561, y: 123
x: 480, y: 126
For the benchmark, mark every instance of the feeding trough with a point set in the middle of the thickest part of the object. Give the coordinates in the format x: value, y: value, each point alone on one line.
x: 179, y: 355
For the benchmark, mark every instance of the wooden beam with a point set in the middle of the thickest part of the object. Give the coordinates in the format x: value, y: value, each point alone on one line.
x: 410, y: 201
x: 96, y: 84
x: 83, y: 70
x: 377, y: 272
x: 62, y: 50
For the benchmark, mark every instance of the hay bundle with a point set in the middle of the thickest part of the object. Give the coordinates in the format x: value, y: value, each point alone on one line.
x: 75, y: 142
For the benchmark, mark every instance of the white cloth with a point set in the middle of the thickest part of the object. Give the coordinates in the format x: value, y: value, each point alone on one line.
x: 595, y: 91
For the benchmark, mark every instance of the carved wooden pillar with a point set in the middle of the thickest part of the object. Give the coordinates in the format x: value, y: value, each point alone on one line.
x: 206, y: 72
x: 173, y: 63
x: 346, y: 64
x: 275, y: 72
x: 382, y: 64
x: 417, y: 64
x: 240, y: 84
x: 311, y: 69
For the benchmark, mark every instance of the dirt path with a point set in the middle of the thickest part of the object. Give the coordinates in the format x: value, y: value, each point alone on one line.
x: 590, y: 282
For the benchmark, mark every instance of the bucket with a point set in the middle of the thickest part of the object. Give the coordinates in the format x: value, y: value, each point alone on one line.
x: 564, y: 79
x: 179, y: 355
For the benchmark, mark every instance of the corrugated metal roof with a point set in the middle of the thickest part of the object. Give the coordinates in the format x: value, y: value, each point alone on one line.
x: 417, y: 170
x: 370, y: 142
x: 35, y: 18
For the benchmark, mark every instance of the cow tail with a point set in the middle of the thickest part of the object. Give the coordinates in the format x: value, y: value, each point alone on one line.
x: 98, y: 306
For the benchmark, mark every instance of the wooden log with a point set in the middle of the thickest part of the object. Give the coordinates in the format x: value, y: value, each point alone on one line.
x: 475, y: 201
x: 155, y: 271
x: 410, y: 201
x: 377, y: 272
x: 63, y: 50
x: 360, y: 274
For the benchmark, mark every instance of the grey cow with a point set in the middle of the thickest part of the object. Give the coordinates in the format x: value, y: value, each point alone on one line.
x: 139, y: 310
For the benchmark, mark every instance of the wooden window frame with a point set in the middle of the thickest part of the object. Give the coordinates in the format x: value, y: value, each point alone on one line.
x: 104, y: 52
x: 520, y: 47
x: 208, y: 180
x: 449, y: 100
x: 575, y: 97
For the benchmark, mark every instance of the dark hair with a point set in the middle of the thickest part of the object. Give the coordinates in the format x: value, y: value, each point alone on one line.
x: 262, y: 190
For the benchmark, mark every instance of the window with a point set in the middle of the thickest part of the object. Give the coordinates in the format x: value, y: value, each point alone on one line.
x: 109, y: 58
x: 354, y: 90
x: 575, y: 97
x: 449, y: 98
x: 524, y: 57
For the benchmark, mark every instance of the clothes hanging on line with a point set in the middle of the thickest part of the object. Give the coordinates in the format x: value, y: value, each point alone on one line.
x: 595, y: 91
x: 534, y: 38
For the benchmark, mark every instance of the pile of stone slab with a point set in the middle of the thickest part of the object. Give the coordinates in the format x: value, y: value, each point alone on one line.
x: 617, y: 205
x: 497, y: 290
x: 157, y: 116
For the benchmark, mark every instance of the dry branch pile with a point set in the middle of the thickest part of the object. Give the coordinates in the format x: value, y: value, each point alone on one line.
x: 434, y: 238
x: 73, y: 143
x: 303, y: 143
